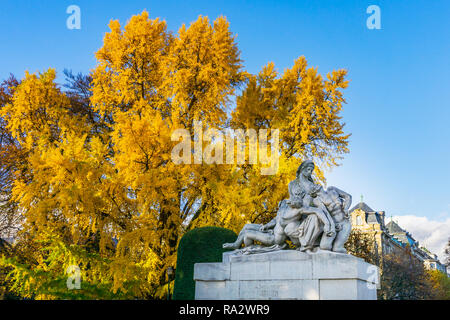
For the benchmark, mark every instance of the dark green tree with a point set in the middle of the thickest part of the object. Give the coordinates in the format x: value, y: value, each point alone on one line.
x: 198, y: 245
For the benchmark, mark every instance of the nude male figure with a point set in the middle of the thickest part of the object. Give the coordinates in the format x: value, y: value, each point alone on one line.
x: 337, y: 202
x: 277, y: 231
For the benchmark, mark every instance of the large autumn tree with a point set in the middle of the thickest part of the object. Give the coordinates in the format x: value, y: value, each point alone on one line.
x: 404, y: 277
x: 98, y: 188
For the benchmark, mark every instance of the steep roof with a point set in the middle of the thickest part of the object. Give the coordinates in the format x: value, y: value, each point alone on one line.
x: 373, y: 217
x: 393, y: 228
x: 402, y: 235
x: 362, y: 206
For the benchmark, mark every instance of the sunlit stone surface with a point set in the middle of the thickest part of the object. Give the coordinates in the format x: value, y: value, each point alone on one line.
x: 286, y: 274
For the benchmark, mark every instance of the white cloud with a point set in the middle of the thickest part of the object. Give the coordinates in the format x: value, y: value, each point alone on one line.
x: 431, y: 234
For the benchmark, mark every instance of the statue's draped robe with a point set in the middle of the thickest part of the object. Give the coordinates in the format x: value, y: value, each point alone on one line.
x: 310, y: 227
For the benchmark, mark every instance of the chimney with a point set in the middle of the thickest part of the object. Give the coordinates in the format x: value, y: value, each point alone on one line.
x: 382, y: 214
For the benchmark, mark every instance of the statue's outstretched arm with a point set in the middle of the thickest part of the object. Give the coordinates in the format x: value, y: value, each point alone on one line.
x: 269, y: 225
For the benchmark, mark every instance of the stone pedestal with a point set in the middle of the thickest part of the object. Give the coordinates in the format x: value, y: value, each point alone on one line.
x: 286, y: 274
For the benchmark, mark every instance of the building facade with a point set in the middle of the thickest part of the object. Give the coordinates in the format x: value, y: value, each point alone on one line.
x: 389, y: 238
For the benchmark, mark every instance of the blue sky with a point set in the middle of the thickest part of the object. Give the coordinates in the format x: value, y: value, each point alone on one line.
x: 398, y: 99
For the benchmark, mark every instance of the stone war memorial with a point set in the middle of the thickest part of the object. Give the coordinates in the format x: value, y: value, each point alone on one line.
x: 316, y: 266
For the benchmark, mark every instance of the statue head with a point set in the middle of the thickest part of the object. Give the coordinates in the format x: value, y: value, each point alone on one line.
x: 306, y: 168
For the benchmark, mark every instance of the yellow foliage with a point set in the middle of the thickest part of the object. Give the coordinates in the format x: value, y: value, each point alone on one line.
x: 116, y: 191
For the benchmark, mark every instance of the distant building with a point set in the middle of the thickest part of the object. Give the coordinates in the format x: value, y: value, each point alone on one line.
x: 390, y: 238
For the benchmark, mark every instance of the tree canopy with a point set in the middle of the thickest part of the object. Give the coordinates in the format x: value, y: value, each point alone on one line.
x: 88, y: 165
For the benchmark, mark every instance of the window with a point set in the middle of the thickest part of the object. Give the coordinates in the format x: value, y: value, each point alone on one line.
x: 358, y: 220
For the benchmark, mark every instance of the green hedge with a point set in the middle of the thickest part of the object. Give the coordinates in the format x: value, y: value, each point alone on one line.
x: 198, y: 245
